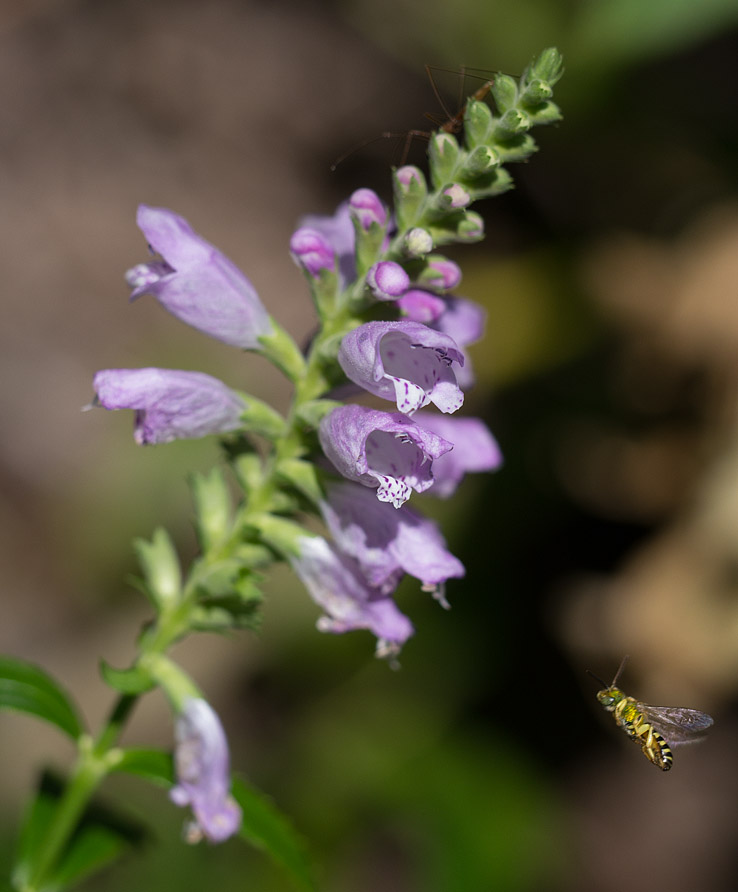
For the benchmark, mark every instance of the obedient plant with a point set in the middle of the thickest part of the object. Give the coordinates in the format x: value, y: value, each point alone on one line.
x: 388, y: 328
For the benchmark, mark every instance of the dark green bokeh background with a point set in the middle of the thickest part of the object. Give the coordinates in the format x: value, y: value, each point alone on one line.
x: 608, y: 375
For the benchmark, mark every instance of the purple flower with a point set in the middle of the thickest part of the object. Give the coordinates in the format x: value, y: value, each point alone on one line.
x: 383, y: 450
x: 463, y: 320
x: 203, y: 773
x: 169, y: 404
x: 441, y: 273
x: 422, y: 306
x: 338, y: 233
x: 367, y: 208
x: 336, y: 584
x: 387, y: 542
x: 311, y: 252
x: 387, y: 280
x: 475, y: 449
x: 196, y: 283
x: 403, y: 361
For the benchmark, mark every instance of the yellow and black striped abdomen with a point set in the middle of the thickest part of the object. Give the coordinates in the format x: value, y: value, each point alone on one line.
x: 633, y: 721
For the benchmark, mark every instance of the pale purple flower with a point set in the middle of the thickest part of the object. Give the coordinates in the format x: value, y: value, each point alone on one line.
x: 196, y: 283
x: 387, y: 280
x: 422, y: 306
x: 387, y: 542
x: 338, y: 233
x: 201, y: 764
x: 169, y: 404
x: 335, y: 582
x: 366, y: 207
x: 382, y: 450
x: 475, y: 449
x: 311, y: 251
x: 403, y: 361
x: 464, y: 321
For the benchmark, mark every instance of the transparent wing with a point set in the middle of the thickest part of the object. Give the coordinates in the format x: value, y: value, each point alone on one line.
x: 677, y: 723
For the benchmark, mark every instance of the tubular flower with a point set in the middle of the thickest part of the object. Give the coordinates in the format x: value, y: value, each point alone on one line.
x: 475, y: 449
x: 201, y: 763
x: 382, y: 450
x: 403, y: 361
x: 169, y: 404
x: 196, y: 283
x: 386, y: 542
x: 336, y: 584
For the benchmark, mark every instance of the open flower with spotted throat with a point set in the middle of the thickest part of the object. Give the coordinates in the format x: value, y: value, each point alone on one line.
x: 386, y: 450
x: 407, y: 362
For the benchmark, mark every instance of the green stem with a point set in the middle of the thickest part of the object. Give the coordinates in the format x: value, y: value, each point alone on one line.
x: 91, y: 767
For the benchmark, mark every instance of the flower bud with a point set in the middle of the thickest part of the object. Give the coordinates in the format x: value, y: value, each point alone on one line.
x: 418, y: 242
x: 367, y: 208
x: 311, y: 252
x: 387, y: 280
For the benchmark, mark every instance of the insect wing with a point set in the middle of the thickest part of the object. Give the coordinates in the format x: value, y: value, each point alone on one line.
x: 677, y: 723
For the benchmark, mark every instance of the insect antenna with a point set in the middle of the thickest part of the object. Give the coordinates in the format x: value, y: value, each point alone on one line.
x: 596, y: 678
x: 620, y: 669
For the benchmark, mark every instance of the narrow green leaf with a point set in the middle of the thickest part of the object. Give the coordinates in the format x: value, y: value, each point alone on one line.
x: 265, y: 827
x: 100, y: 838
x: 28, y: 688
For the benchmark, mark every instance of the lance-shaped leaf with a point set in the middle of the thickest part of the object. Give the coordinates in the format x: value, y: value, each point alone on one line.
x: 28, y: 688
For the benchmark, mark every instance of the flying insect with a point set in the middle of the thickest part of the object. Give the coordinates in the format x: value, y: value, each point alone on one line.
x: 650, y: 726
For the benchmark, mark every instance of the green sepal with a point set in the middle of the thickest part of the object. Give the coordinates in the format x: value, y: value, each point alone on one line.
x: 213, y: 514
x: 266, y: 828
x: 226, y: 613
x: 549, y: 67
x: 260, y: 418
x: 409, y: 200
x: 249, y: 471
x: 482, y: 160
x: 27, y: 688
x: 547, y: 113
x: 283, y: 535
x: 514, y: 122
x: 443, y: 156
x: 313, y: 412
x: 518, y: 148
x: 536, y: 94
x: 153, y: 765
x: 279, y: 348
x: 505, y: 92
x: 101, y: 836
x: 324, y: 290
x: 368, y: 246
x: 488, y: 185
x: 134, y: 680
x: 228, y: 597
x: 477, y: 124
x: 161, y: 569
x: 303, y: 476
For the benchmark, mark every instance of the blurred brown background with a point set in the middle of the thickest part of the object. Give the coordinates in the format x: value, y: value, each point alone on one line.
x: 609, y: 374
